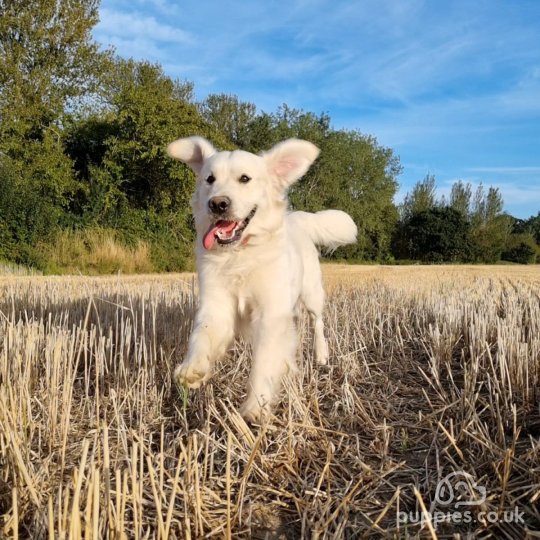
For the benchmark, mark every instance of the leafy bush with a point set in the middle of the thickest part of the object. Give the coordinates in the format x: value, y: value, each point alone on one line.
x: 521, y: 248
x: 436, y: 235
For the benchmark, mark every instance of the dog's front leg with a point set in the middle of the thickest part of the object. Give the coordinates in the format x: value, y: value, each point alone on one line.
x: 274, y: 353
x: 212, y: 334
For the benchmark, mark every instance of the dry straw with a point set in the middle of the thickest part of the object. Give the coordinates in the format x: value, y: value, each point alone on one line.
x: 432, y: 370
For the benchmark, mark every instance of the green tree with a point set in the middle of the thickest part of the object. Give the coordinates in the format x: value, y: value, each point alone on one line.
x: 119, y: 152
x: 460, y: 197
x: 147, y: 111
x: 490, y: 227
x: 290, y: 122
x: 48, y: 65
x: 266, y: 130
x: 26, y: 214
x: 521, y: 248
x: 229, y: 116
x: 486, y: 207
x: 533, y: 226
x: 530, y: 226
x: 129, y: 181
x: 422, y: 197
x: 438, y: 234
x: 48, y: 60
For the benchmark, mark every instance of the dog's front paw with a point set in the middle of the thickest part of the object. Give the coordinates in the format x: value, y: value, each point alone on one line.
x: 192, y: 374
x: 321, y: 355
x: 321, y: 348
x: 254, y: 410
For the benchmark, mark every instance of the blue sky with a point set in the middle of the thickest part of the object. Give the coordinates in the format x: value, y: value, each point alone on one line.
x: 452, y: 87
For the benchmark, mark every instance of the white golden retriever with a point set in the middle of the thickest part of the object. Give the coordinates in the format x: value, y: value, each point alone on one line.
x: 256, y: 261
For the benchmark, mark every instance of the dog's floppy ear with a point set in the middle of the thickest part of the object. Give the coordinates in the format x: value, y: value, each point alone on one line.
x: 193, y: 151
x: 289, y: 160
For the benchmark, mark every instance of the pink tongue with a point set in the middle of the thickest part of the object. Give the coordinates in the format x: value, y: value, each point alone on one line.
x: 210, y: 236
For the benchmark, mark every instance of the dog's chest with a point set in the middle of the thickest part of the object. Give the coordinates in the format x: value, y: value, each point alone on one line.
x: 246, y: 303
x: 243, y: 306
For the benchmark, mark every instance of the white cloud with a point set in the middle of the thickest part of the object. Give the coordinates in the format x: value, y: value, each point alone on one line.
x: 139, y: 47
x: 515, y: 194
x: 164, y: 6
x: 136, y: 26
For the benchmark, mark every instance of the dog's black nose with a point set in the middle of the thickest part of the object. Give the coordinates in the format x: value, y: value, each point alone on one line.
x: 219, y: 205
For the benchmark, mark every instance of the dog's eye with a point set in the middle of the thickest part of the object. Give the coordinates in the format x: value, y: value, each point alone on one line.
x: 244, y: 179
x: 211, y: 179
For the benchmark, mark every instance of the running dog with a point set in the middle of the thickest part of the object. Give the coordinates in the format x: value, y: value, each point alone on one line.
x: 256, y: 262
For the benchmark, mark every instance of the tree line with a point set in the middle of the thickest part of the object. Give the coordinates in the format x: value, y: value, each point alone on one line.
x: 467, y: 226
x: 82, y: 159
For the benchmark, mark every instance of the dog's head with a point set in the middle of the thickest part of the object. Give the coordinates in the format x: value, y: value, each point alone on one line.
x: 241, y: 196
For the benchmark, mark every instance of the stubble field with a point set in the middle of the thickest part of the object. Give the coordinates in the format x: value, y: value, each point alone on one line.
x: 432, y: 371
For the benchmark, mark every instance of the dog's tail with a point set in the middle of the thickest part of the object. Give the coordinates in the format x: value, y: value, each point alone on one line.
x: 328, y: 228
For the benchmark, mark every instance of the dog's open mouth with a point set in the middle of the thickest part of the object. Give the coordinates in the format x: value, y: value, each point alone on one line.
x: 226, y: 232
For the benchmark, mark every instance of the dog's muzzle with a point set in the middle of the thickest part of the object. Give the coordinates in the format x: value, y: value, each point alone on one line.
x: 226, y: 232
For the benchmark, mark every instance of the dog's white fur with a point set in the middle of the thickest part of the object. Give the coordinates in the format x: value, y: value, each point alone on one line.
x: 254, y: 287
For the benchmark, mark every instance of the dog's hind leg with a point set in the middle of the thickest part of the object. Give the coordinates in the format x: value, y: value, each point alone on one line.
x: 211, y: 336
x: 313, y: 299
